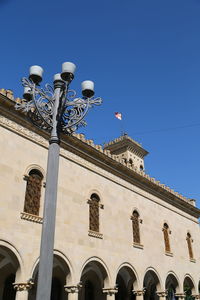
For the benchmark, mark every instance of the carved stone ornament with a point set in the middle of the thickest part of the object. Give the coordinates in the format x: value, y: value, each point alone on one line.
x: 23, y: 286
x: 95, y: 234
x: 71, y: 289
x: 32, y: 218
x: 162, y: 294
x: 139, y: 292
x: 110, y: 291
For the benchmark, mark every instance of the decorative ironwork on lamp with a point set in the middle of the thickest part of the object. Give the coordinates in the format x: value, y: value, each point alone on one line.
x: 39, y: 102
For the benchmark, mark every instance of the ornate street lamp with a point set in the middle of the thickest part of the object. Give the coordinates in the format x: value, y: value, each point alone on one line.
x: 54, y: 109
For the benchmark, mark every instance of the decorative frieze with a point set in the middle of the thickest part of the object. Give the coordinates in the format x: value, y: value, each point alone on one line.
x: 23, y: 131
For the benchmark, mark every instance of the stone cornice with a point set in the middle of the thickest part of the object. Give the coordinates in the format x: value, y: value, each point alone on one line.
x: 95, y: 154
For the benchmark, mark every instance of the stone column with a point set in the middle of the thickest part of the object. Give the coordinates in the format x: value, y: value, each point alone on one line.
x: 180, y: 296
x: 139, y: 294
x: 162, y: 295
x: 73, y: 291
x: 110, y: 293
x: 22, y: 289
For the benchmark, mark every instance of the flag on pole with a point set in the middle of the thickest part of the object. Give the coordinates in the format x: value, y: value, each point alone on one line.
x: 118, y: 115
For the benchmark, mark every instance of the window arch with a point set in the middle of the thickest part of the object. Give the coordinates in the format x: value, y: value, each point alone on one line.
x: 94, y: 212
x: 136, y: 227
x: 166, y: 237
x: 33, y: 192
x: 189, y: 243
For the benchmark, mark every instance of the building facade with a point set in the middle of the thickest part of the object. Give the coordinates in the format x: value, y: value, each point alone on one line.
x: 120, y: 234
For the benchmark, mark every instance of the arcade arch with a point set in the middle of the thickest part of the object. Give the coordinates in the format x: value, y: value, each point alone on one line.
x: 9, y: 266
x: 60, y: 277
x: 171, y: 286
x: 126, y: 282
x: 94, y: 278
x: 189, y: 287
x: 151, y: 285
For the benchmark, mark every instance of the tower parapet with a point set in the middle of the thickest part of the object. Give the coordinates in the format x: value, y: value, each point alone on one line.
x: 127, y: 150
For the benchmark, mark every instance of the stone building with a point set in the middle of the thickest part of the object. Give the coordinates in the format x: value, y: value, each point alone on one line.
x: 120, y: 234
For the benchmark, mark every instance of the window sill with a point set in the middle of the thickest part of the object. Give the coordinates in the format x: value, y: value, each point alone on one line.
x: 169, y: 254
x: 31, y: 218
x: 193, y: 260
x: 139, y: 246
x: 95, y: 234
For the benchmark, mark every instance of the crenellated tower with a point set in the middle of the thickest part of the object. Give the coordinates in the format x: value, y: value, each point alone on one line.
x: 128, y: 150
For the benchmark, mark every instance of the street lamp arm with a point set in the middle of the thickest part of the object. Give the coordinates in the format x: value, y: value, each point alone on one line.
x: 40, y: 107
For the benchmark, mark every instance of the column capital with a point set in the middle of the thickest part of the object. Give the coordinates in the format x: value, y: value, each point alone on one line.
x: 180, y: 295
x: 110, y: 291
x: 197, y: 296
x: 161, y: 294
x: 71, y: 289
x: 23, y: 286
x: 139, y: 292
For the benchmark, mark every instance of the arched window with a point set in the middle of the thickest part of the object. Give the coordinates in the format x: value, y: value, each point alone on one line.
x: 189, y: 242
x: 136, y: 227
x: 166, y: 237
x: 33, y: 192
x: 94, y: 212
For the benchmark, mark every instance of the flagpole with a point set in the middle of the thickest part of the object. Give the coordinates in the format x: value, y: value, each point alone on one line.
x: 118, y: 115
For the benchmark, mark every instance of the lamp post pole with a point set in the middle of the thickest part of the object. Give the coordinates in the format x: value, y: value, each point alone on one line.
x: 53, y: 109
x: 48, y: 227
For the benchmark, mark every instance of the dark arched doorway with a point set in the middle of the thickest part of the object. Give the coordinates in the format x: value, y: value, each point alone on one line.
x: 8, y: 269
x: 171, y: 286
x: 93, y: 278
x: 60, y: 273
x: 151, y: 285
x: 188, y: 286
x: 125, y: 284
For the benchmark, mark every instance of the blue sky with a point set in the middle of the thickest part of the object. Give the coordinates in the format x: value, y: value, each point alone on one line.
x: 144, y: 57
